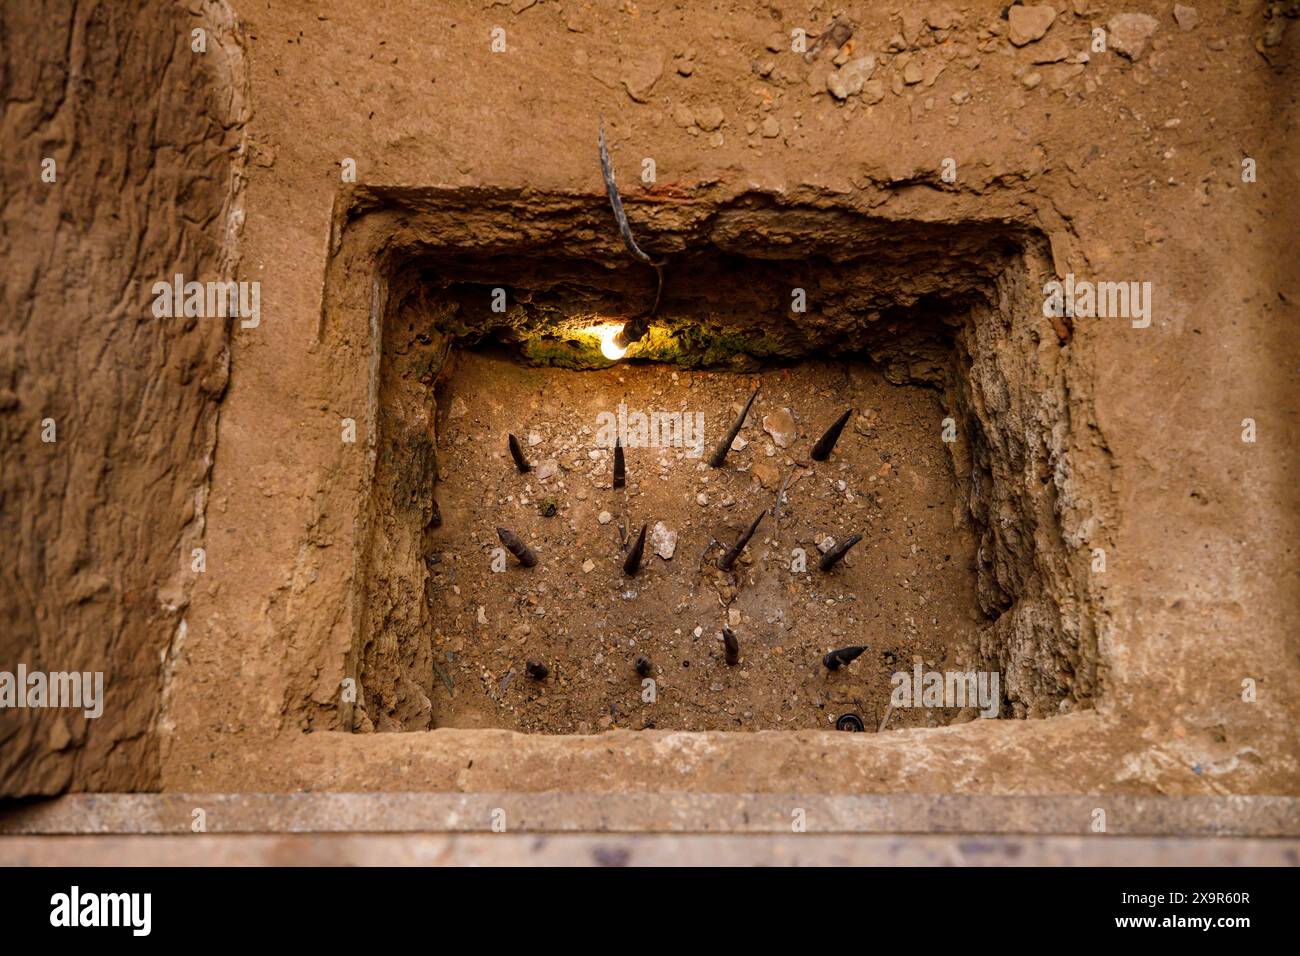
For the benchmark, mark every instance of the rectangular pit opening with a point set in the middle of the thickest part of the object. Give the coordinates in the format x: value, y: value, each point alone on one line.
x: 951, y: 467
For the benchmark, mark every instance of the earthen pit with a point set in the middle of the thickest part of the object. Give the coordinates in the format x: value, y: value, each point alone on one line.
x: 952, y: 311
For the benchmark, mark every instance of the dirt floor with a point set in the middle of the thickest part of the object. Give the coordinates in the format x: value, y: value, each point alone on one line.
x: 906, y: 591
x: 258, y: 604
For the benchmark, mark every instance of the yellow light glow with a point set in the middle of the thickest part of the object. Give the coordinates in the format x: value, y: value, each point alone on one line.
x: 608, y: 347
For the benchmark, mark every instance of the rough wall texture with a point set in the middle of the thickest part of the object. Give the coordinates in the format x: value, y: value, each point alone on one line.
x: 96, y: 527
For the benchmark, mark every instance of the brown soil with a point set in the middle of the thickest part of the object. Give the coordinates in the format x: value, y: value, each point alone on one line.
x: 907, y: 590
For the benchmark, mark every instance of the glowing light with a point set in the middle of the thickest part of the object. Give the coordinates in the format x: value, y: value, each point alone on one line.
x: 608, y: 347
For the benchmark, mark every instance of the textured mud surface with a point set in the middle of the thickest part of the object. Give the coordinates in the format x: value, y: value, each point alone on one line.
x: 97, y: 525
x: 477, y: 168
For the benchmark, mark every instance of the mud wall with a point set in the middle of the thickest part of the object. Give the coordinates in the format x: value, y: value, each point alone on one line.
x: 97, y: 527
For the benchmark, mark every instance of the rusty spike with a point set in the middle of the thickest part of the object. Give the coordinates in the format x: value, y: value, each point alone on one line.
x: 841, y: 656
x: 517, y: 547
x: 730, y: 646
x: 833, y: 556
x: 633, y: 561
x: 727, y: 560
x: 822, y: 450
x: 620, y: 468
x: 720, y: 453
x: 517, y: 453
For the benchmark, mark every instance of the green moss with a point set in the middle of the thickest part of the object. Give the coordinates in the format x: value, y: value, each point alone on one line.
x: 573, y: 343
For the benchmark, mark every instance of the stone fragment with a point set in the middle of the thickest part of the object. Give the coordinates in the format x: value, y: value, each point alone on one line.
x: 641, y: 74
x: 768, y: 475
x: 1028, y: 24
x: 849, y: 79
x: 664, y: 541
x: 780, y: 425
x: 1186, y: 16
x: 1127, y: 33
x: 709, y: 118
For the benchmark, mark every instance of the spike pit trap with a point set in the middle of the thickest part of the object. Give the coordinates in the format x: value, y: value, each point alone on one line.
x: 809, y: 471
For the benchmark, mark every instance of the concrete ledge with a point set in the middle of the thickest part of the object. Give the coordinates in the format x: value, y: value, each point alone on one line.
x: 518, y: 813
x: 423, y: 849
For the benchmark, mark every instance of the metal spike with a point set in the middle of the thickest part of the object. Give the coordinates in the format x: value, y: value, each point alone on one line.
x: 516, y: 547
x: 851, y: 723
x: 720, y: 453
x: 620, y: 469
x: 833, y: 556
x: 633, y: 561
x: 730, y: 646
x: 842, y: 656
x: 822, y: 450
x: 643, y: 666
x: 517, y: 453
x: 727, y: 560
x: 536, y: 670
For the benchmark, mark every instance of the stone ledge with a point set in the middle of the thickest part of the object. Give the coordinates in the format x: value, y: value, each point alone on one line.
x: 475, y: 849
x: 551, y: 812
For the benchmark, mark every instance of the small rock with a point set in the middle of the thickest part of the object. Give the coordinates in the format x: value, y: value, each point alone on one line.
x: 547, y: 469
x: 534, y: 439
x: 780, y: 425
x: 604, y: 517
x: 733, y: 616
x: 768, y: 474
x: 1031, y: 80
x: 738, y: 444
x: 588, y: 566
x: 912, y: 73
x: 913, y: 24
x: 1127, y: 33
x: 1029, y: 23
x: 642, y: 74
x: 849, y: 79
x: 771, y: 128
x: 1186, y: 16
x: 683, y: 116
x: 873, y: 91
x: 701, y: 499
x: 825, y: 544
x: 709, y: 118
x: 1052, y: 52
x: 458, y: 408
x: 664, y: 541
